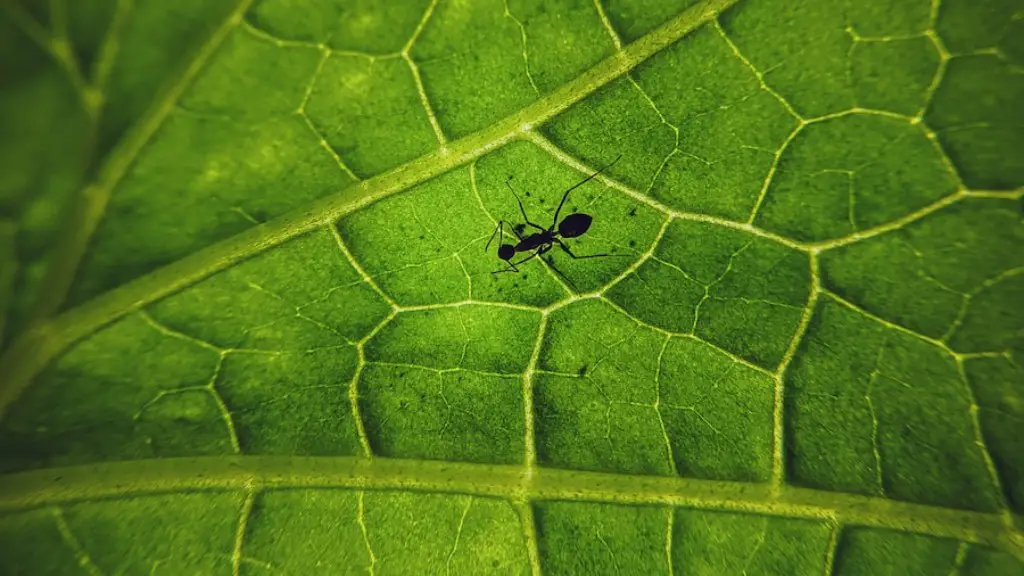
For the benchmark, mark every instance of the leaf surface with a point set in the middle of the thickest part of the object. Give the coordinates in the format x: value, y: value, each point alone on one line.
x: 250, y: 324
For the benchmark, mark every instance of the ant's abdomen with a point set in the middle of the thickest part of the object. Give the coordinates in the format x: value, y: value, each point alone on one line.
x: 575, y: 225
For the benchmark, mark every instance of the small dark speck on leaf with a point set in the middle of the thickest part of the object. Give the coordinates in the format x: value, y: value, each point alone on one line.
x: 541, y: 200
x: 632, y: 211
x: 582, y: 371
x: 422, y: 236
x: 632, y: 243
x: 527, y: 194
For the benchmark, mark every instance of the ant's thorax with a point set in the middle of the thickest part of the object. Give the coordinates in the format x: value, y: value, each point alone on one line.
x: 535, y: 240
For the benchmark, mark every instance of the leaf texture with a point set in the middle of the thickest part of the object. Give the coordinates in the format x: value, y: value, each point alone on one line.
x: 250, y: 325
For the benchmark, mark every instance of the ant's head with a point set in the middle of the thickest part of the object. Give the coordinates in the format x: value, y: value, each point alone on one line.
x: 506, y: 251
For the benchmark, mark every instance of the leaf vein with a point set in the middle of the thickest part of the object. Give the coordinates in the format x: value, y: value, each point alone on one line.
x: 125, y: 479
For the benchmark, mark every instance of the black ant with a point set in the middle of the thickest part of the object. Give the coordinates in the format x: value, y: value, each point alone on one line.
x: 573, y: 226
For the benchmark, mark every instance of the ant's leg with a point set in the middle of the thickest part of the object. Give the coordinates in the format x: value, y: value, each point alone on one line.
x: 516, y: 232
x: 514, y: 265
x: 497, y: 231
x: 512, y: 269
x: 512, y: 228
x: 534, y: 255
x: 569, y: 252
x: 554, y: 221
x: 551, y: 263
x: 521, y: 209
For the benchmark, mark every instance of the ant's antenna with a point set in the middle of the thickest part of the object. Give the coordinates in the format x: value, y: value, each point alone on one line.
x: 497, y: 231
x: 581, y: 183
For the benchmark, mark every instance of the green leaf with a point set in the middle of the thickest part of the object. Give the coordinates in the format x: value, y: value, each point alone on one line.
x: 248, y: 323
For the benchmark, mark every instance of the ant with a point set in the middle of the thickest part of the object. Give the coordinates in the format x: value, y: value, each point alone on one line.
x: 573, y: 226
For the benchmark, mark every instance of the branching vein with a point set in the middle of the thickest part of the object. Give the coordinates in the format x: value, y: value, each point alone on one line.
x: 243, y: 521
x: 72, y: 542
x: 93, y: 197
x: 458, y: 535
x: 361, y: 519
x: 406, y: 55
x: 34, y: 350
x: 657, y: 408
x: 526, y: 56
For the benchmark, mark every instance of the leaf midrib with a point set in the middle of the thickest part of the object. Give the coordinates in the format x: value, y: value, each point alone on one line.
x: 38, y: 346
x: 56, y: 486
